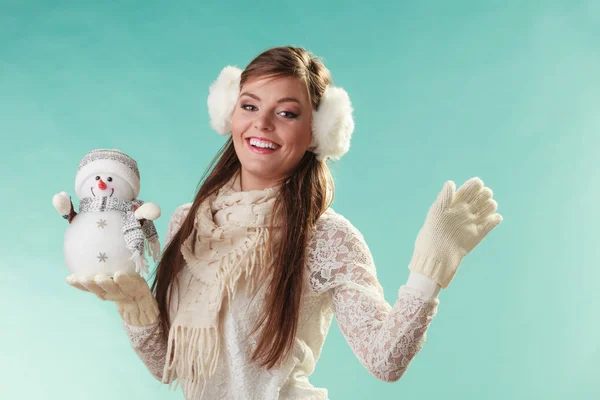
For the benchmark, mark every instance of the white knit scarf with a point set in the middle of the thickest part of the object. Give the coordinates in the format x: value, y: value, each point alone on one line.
x: 231, y: 232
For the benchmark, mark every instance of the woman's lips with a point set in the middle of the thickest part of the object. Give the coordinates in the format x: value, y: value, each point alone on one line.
x: 260, y: 150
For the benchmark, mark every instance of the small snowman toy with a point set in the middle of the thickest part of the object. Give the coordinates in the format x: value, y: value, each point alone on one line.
x: 112, y: 228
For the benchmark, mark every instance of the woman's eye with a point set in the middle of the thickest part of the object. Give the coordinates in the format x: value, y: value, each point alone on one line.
x: 288, y: 114
x: 248, y: 107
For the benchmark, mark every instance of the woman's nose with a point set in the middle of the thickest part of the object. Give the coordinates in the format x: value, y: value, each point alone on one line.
x: 263, y: 123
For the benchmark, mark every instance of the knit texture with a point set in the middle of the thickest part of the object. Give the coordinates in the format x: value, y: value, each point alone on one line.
x: 340, y: 281
x: 107, y: 161
x: 131, y: 293
x: 455, y: 224
x: 228, y: 243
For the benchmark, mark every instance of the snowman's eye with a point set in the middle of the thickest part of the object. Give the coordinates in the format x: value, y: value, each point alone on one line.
x: 109, y: 179
x: 98, y: 178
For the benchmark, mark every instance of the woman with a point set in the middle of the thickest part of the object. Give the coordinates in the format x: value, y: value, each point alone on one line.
x: 255, y: 268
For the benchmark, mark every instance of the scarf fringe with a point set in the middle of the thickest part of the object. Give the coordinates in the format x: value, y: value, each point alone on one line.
x: 141, y: 264
x: 193, y: 353
x: 153, y: 248
x: 253, y: 254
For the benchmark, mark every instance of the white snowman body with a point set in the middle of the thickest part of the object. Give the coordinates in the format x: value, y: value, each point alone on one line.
x: 94, y: 242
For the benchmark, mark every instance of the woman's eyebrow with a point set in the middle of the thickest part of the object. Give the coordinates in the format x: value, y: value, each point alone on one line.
x: 283, y: 100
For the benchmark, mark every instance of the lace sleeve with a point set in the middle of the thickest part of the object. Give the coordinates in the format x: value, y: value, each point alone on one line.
x: 384, y: 338
x: 150, y: 345
x: 176, y: 220
x: 149, y: 342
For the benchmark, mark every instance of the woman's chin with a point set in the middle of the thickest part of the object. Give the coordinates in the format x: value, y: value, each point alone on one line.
x: 261, y: 165
x: 261, y: 175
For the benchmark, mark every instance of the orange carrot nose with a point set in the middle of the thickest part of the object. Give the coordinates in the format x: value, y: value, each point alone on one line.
x: 101, y: 184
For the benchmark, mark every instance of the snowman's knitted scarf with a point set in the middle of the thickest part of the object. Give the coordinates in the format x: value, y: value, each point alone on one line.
x: 230, y: 237
x: 134, y: 231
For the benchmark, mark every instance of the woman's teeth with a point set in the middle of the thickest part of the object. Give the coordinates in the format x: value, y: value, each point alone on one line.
x: 262, y: 144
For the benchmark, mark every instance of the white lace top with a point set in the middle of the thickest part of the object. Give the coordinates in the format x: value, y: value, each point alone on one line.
x: 341, y: 281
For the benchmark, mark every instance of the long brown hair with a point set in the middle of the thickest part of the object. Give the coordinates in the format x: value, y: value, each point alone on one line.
x: 302, y: 199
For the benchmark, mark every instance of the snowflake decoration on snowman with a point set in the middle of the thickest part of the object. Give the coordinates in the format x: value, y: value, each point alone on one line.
x: 113, y: 229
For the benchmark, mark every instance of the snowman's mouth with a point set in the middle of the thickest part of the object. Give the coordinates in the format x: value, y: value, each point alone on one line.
x: 111, y: 193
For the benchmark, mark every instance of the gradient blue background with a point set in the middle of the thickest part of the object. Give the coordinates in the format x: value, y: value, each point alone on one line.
x: 508, y: 91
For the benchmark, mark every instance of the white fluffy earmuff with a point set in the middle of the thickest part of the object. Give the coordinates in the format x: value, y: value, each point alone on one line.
x: 332, y: 123
x: 222, y: 98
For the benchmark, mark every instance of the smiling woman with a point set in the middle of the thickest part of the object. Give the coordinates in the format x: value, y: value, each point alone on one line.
x: 257, y: 266
x: 271, y: 129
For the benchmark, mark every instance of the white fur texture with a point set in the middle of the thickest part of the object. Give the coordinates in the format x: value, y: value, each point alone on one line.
x: 332, y: 124
x: 222, y: 98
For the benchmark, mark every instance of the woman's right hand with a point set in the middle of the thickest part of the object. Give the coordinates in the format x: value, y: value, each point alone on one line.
x: 131, y: 293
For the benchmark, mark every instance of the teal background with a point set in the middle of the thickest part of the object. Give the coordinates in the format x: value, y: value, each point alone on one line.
x: 508, y: 91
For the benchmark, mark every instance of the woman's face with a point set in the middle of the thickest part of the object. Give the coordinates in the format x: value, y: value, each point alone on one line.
x: 271, y: 129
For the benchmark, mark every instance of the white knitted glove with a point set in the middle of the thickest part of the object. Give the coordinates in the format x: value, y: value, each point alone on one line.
x: 62, y: 202
x: 149, y: 211
x: 456, y: 223
x: 131, y: 293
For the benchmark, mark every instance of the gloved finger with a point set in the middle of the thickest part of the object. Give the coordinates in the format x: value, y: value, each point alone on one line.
x: 490, y: 223
x: 91, y: 286
x: 126, y: 312
x: 110, y: 288
x: 122, y: 310
x: 152, y: 314
x: 486, y: 209
x: 130, y: 285
x: 147, y: 317
x: 446, y: 196
x: 470, y: 189
x: 132, y: 315
x: 481, y: 198
x: 73, y: 280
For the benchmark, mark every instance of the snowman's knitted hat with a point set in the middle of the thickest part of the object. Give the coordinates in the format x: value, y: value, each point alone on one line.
x: 111, y: 161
